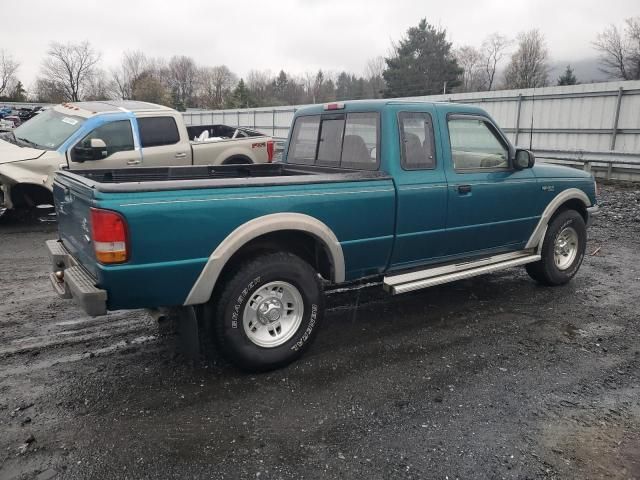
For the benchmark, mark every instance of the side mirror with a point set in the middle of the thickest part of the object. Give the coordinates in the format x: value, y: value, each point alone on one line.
x: 524, y: 159
x: 96, y: 150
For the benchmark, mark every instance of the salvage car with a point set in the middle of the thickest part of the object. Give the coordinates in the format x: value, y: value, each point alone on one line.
x: 113, y: 134
x: 419, y: 194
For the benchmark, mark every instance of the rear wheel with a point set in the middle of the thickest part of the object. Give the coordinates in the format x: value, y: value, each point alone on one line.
x: 562, y: 250
x: 268, y: 312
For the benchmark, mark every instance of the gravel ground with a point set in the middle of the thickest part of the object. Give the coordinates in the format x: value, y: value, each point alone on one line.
x: 492, y: 377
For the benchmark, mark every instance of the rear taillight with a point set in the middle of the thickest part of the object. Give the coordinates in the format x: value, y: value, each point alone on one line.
x: 270, y: 147
x: 109, y: 233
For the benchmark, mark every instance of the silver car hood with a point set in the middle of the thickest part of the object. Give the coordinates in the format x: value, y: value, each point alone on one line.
x: 13, y: 153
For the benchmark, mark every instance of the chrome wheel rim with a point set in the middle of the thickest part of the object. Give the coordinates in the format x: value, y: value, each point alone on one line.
x: 273, y: 314
x: 565, y: 248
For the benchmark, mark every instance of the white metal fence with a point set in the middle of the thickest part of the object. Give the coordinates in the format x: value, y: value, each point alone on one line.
x: 592, y: 125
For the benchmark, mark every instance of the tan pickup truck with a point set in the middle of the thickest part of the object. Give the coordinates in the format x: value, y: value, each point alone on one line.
x: 113, y: 134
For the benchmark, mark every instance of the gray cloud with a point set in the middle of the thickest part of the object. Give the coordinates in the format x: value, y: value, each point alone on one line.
x: 296, y: 35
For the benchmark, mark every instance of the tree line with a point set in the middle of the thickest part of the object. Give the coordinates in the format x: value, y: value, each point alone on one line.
x: 422, y: 62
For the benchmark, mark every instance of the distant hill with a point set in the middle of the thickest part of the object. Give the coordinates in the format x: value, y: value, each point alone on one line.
x: 585, y: 70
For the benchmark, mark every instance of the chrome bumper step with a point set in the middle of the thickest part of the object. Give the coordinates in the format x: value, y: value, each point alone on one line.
x: 430, y: 277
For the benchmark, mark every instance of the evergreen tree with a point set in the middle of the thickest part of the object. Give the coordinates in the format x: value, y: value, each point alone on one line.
x: 568, y: 78
x: 18, y: 93
x: 241, y: 97
x: 421, y: 64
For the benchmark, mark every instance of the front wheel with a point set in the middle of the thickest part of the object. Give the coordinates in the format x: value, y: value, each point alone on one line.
x: 562, y: 250
x: 267, y: 312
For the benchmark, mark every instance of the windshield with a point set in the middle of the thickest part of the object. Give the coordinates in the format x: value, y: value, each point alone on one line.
x: 48, y: 130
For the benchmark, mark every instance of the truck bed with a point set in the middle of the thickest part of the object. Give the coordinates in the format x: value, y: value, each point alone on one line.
x: 141, y: 179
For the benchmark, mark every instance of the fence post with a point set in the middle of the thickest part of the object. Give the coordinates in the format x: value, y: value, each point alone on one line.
x: 273, y: 122
x: 238, y: 121
x: 515, y: 140
x: 224, y: 122
x: 254, y: 119
x: 587, y: 166
x: 614, y: 130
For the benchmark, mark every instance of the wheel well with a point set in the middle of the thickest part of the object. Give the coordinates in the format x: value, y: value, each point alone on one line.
x: 573, y: 204
x: 27, y: 195
x: 304, y: 245
x: 237, y: 160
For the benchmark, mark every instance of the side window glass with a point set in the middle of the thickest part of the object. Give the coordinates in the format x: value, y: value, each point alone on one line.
x: 417, y: 140
x: 330, y: 142
x: 360, y: 145
x: 158, y: 131
x: 475, y: 146
x: 304, y: 140
x: 104, y: 141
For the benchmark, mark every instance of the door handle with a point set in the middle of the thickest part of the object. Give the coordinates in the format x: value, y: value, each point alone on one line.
x: 181, y: 155
x: 133, y: 162
x: 464, y: 189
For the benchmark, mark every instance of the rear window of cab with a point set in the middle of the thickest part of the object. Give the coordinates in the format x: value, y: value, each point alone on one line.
x: 346, y: 140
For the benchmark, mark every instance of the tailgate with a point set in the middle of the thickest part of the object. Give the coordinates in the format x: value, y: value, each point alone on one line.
x: 73, y: 201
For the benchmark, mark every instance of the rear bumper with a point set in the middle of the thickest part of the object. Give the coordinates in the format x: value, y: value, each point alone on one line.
x: 592, y: 212
x: 70, y: 280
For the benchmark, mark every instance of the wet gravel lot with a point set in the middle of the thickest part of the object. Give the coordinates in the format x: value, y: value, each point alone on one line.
x: 492, y: 377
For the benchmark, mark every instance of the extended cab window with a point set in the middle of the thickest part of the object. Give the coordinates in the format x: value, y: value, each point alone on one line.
x: 475, y: 145
x: 116, y: 136
x: 417, y: 141
x: 336, y: 140
x: 158, y: 131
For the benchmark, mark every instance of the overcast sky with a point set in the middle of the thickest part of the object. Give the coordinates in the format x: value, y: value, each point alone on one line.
x: 295, y: 35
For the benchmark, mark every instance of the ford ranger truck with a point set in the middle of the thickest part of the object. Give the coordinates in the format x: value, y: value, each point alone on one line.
x: 417, y: 194
x: 113, y: 134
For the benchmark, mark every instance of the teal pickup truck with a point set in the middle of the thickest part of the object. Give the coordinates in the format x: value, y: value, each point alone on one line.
x: 417, y: 193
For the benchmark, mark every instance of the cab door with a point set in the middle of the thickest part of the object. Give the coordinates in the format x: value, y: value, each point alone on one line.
x: 109, y: 143
x: 421, y: 187
x: 491, y: 205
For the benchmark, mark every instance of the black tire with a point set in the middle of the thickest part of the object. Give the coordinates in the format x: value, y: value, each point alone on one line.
x: 225, y: 311
x: 545, y: 271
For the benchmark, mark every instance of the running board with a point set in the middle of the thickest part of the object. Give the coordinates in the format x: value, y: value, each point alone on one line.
x: 408, y: 282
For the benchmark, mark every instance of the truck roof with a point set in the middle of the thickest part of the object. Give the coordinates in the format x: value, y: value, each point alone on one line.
x: 88, y: 109
x: 377, y: 105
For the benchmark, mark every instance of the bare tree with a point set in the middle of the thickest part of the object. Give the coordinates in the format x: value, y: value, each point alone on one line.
x: 133, y: 65
x: 182, y: 78
x: 99, y: 86
x: 215, y: 85
x: 373, y: 74
x: 529, y: 63
x: 70, y: 66
x: 493, y: 51
x: 471, y: 62
x: 8, y: 69
x: 620, y: 51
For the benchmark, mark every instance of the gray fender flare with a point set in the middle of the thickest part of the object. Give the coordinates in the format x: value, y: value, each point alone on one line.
x: 203, y: 287
x: 537, y: 236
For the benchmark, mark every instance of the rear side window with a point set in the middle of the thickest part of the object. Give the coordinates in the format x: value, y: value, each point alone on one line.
x: 417, y: 141
x: 158, y: 131
x: 338, y: 140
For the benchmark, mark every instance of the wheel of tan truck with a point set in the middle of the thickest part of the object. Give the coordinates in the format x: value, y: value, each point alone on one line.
x: 562, y: 250
x: 238, y: 160
x: 268, y: 312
